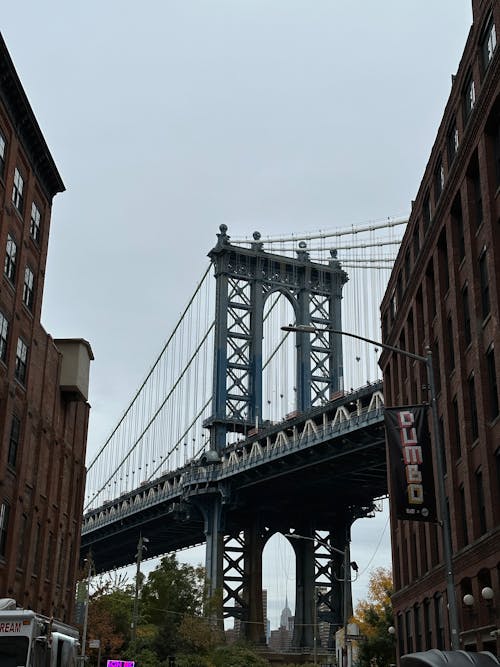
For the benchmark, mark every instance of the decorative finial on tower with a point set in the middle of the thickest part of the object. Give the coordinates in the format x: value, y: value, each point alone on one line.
x: 302, y: 253
x: 257, y: 243
x: 223, y: 237
x: 334, y: 262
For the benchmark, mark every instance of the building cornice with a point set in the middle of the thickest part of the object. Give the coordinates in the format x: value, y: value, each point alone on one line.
x: 26, y: 126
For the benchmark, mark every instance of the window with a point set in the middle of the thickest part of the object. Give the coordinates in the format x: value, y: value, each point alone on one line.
x: 438, y: 614
x: 427, y: 211
x: 495, y: 133
x: 2, y: 154
x: 28, y: 288
x: 17, y: 191
x: 61, y: 561
x: 385, y: 328
x: 484, y: 284
x: 10, y: 259
x: 50, y: 554
x: 497, y: 460
x: 400, y: 634
x: 4, y: 526
x: 469, y: 97
x: 393, y: 305
x: 488, y: 43
x: 478, y: 197
x: 456, y: 428
x: 22, y: 539
x: 443, y: 264
x: 474, y: 426
x: 4, y: 332
x: 37, y: 550
x: 431, y: 290
x: 21, y: 360
x: 480, y: 502
x: 466, y: 312
x: 407, y: 266
x: 416, y: 242
x: 492, y: 382
x: 35, y: 223
x: 451, y: 346
x: 399, y: 288
x: 438, y: 179
x: 409, y: 633
x: 458, y: 224
x: 427, y: 623
x: 442, y: 442
x: 418, y: 628
x: 15, y: 431
x: 452, y: 141
x: 436, y: 366
x: 463, y: 516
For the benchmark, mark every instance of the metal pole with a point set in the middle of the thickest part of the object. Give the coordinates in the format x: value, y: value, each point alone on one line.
x: 86, y: 615
x: 345, y: 653
x: 135, y: 611
x: 315, y: 638
x: 445, y: 519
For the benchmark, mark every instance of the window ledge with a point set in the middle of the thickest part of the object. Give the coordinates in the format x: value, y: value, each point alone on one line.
x: 495, y: 420
x: 486, y: 320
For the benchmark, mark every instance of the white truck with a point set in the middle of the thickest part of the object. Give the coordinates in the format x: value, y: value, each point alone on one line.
x: 28, y: 639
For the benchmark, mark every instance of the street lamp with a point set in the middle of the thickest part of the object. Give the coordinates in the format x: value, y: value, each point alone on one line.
x: 346, y: 581
x: 90, y: 565
x: 445, y: 520
x: 141, y: 546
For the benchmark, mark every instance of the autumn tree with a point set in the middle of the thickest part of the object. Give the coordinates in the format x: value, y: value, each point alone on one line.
x: 374, y: 616
x: 109, y: 614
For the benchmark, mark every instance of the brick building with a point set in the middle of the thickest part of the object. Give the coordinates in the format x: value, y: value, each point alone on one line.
x: 444, y: 293
x: 43, y: 382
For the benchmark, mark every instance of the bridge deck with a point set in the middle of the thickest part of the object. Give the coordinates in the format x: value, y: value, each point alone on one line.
x: 313, y: 466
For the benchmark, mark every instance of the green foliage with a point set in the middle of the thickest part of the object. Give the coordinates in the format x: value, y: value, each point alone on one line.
x: 109, y: 617
x: 193, y: 660
x: 146, y: 658
x: 236, y: 655
x: 172, y: 592
x: 374, y: 617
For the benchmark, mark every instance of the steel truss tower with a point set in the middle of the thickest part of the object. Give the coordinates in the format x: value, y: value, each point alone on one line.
x: 245, y: 278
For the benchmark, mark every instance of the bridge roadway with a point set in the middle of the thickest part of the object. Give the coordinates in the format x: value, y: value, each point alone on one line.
x: 302, y: 467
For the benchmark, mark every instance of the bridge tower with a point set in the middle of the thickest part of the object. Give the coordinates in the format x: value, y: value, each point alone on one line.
x: 245, y: 278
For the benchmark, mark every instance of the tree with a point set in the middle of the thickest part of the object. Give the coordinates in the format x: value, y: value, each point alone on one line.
x: 172, y: 592
x: 236, y: 655
x: 374, y: 616
x: 109, y: 615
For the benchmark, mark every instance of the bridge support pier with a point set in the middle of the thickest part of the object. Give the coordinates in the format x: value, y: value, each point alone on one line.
x: 321, y: 588
x: 253, y: 630
x: 212, y: 510
x: 305, y: 602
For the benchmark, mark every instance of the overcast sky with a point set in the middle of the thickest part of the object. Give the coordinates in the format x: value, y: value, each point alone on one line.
x: 167, y: 118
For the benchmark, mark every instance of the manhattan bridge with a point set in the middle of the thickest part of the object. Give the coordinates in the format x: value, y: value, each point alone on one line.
x: 241, y: 430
